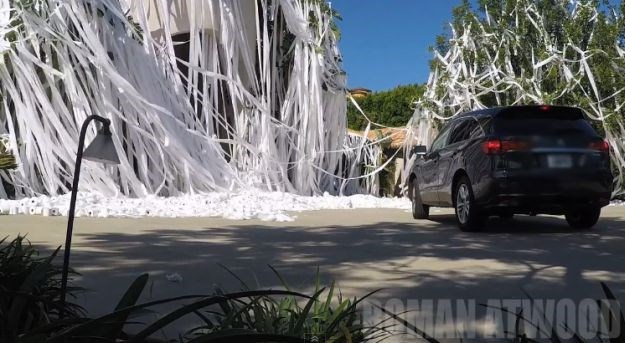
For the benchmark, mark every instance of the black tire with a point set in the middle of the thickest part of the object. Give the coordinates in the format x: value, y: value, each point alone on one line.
x: 468, y: 216
x: 506, y: 215
x: 419, y: 211
x: 583, y: 219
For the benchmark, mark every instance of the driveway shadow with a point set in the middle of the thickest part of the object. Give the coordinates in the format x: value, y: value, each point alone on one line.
x: 521, y: 224
x: 409, y: 260
x: 431, y: 258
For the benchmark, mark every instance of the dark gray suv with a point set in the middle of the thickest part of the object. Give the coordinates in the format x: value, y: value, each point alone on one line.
x: 514, y: 160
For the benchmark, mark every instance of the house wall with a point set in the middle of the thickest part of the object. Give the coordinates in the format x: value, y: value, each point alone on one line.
x: 285, y: 126
x: 179, y: 16
x: 180, y: 22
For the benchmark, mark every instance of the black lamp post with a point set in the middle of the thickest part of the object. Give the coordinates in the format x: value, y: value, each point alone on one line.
x: 102, y: 149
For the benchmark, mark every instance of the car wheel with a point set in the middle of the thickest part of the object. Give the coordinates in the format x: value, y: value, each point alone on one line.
x: 468, y: 215
x: 419, y: 211
x: 506, y: 215
x: 583, y: 219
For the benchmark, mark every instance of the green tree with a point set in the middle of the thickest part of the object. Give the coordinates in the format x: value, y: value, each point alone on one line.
x: 394, y: 107
x: 510, y: 52
x: 7, y: 160
x: 502, y: 42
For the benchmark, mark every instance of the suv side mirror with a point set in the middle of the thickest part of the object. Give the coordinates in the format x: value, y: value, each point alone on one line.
x: 419, y: 150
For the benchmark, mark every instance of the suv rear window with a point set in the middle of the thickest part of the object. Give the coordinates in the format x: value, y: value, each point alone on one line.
x: 542, y: 121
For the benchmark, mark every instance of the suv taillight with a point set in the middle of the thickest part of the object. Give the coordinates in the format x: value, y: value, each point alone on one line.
x: 602, y: 146
x: 492, y: 147
x: 496, y: 146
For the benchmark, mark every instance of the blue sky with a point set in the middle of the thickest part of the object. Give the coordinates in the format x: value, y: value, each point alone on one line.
x: 385, y: 42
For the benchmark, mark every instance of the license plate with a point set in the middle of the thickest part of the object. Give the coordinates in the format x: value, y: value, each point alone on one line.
x: 559, y: 161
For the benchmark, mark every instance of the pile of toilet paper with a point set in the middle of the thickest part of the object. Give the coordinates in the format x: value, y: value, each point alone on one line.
x: 253, y: 204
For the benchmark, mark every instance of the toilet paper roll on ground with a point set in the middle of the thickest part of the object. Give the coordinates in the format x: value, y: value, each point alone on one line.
x: 24, y: 210
x: 33, y: 211
x: 49, y: 212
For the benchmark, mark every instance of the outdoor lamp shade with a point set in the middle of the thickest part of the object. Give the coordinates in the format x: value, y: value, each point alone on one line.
x: 102, y: 150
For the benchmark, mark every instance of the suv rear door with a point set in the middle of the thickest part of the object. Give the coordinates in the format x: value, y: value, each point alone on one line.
x: 429, y: 167
x: 464, y: 129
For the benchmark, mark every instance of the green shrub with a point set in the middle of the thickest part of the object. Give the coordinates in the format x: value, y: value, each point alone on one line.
x: 29, y: 290
x: 324, y: 314
x: 246, y: 316
x: 7, y: 160
x: 393, y: 107
x: 30, y: 310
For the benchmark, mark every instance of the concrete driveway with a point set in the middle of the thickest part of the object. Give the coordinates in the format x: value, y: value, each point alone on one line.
x: 362, y: 250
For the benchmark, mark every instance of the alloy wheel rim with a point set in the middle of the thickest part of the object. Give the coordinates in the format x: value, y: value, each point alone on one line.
x: 414, y: 197
x: 463, y: 203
